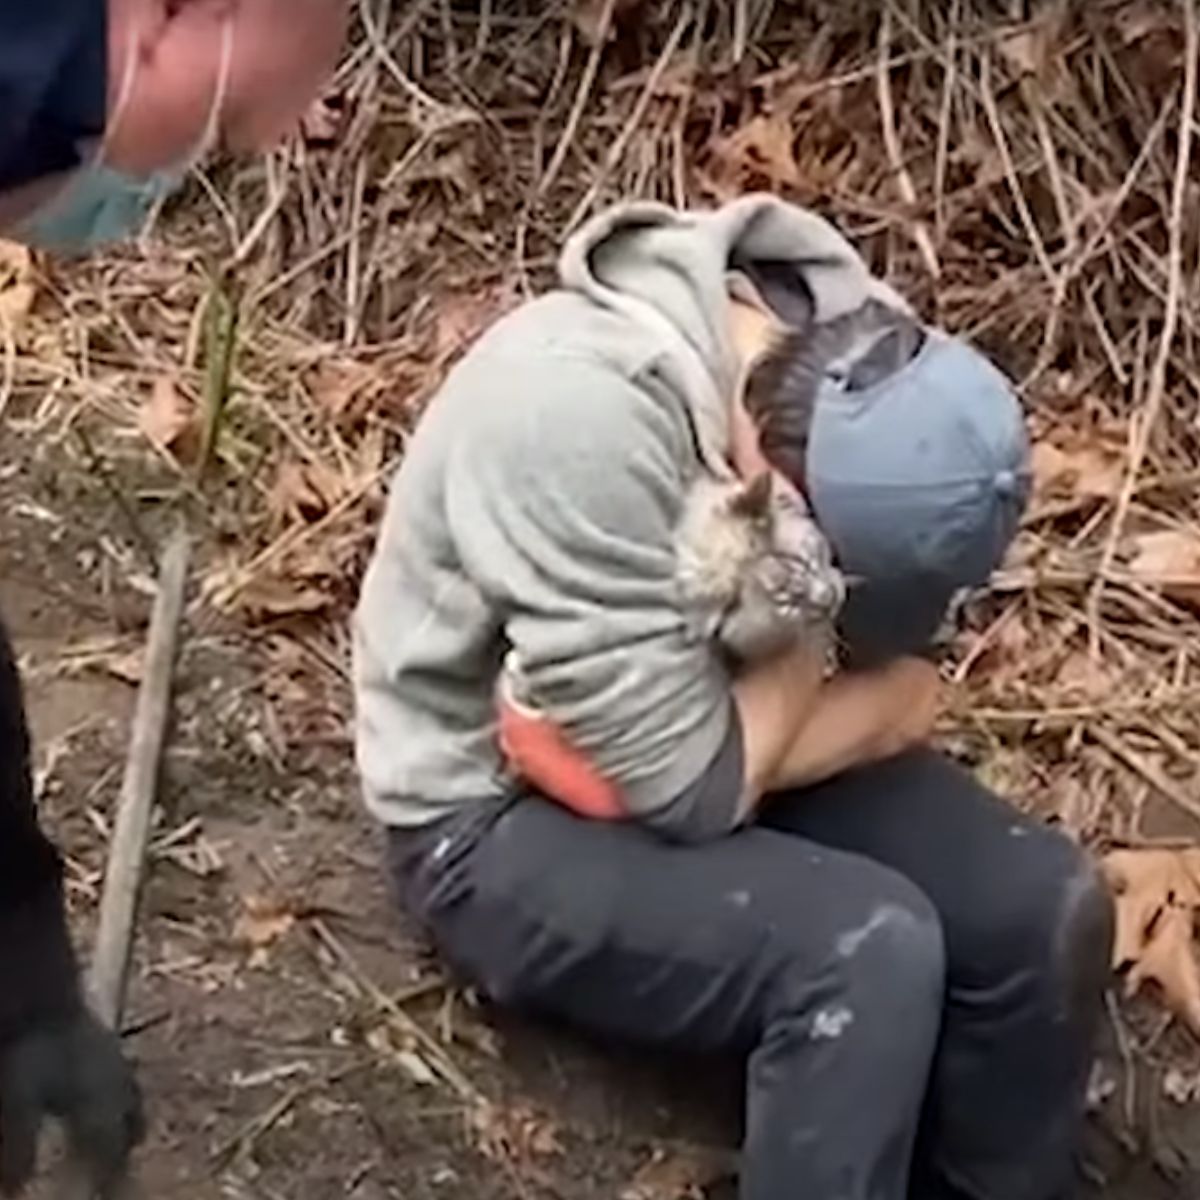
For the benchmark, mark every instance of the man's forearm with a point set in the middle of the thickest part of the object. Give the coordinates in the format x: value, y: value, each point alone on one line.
x: 853, y: 719
x: 859, y: 718
x: 774, y: 700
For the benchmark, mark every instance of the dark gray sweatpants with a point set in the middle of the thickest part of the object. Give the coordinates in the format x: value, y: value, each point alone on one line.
x: 913, y: 968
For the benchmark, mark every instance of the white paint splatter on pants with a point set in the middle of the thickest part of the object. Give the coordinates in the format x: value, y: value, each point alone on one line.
x: 831, y: 1023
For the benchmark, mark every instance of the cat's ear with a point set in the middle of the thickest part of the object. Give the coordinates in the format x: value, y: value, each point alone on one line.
x: 754, y: 499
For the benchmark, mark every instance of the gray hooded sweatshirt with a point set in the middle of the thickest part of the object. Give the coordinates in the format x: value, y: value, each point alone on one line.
x: 536, y: 509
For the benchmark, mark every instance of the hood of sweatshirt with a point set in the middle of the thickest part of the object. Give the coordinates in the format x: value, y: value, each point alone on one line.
x: 671, y: 271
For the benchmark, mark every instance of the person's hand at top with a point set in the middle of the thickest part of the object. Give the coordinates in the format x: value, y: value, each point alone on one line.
x: 114, y: 112
x: 242, y: 70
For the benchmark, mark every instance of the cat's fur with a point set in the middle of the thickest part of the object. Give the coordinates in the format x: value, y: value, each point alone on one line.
x: 754, y: 571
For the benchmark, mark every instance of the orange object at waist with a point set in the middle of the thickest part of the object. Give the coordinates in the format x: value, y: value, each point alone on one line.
x: 539, y: 752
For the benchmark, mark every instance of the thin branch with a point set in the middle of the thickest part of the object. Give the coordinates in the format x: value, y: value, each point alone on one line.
x: 891, y: 139
x: 618, y: 148
x: 1140, y: 765
x: 582, y: 96
x: 1157, y: 386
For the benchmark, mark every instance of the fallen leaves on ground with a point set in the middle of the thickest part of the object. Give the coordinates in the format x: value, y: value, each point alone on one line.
x: 401, y: 1052
x: 588, y: 17
x: 1079, y: 467
x: 1036, y: 51
x: 18, y: 289
x: 263, y: 921
x: 324, y: 121
x: 109, y: 655
x: 514, y: 1134
x: 304, y: 491
x: 166, y: 416
x: 267, y: 594
x: 1170, y: 560
x: 266, y: 599
x: 1157, y: 898
x: 765, y: 147
x: 462, y: 317
x: 1182, y: 1086
x: 347, y: 390
x: 1080, y: 676
x: 679, y: 1174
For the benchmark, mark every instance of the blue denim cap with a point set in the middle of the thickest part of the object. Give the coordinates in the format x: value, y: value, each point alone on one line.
x: 919, y: 481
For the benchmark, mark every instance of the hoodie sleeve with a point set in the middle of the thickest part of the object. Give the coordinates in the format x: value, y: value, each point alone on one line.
x: 53, y: 69
x: 562, y: 505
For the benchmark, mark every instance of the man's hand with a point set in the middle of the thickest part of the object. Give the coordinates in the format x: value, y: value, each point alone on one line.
x: 73, y: 1071
x: 914, y: 688
x: 855, y: 718
x: 282, y: 54
x: 862, y: 717
x: 775, y: 701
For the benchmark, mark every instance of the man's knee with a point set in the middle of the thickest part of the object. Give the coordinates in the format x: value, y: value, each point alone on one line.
x: 886, y: 966
x: 897, y: 954
x: 1053, y: 914
x: 1085, y: 926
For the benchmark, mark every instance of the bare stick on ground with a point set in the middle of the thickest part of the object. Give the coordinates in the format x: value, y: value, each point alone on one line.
x: 126, y: 861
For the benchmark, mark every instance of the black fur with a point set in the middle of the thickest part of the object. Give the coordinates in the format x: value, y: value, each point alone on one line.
x: 56, y: 1059
x: 36, y: 959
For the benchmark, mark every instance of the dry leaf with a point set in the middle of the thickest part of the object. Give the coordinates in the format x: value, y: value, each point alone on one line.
x: 304, y: 492
x: 1089, y: 469
x: 113, y: 656
x: 1181, y: 1086
x: 18, y: 289
x: 382, y: 1040
x: 1024, y: 50
x: 1002, y: 654
x: 764, y: 146
x: 1036, y: 50
x: 678, y: 1174
x: 1157, y: 896
x: 1170, y: 560
x: 266, y: 599
x: 1142, y: 19
x: 1169, y: 960
x: 1080, y: 675
x: 587, y: 15
x: 1144, y: 881
x: 514, y: 1134
x: 463, y: 316
x: 128, y: 667
x: 322, y: 124
x: 1101, y: 1087
x: 262, y: 923
x: 344, y: 388
x: 1152, y: 41
x: 165, y: 416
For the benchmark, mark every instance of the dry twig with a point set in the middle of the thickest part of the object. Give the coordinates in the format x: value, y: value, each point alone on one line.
x: 1156, y: 388
x: 891, y: 141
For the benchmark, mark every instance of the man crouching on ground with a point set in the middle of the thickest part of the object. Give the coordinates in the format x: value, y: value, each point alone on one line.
x: 766, y: 859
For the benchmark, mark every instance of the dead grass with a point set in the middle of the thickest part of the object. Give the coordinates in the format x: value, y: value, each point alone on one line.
x: 1029, y: 182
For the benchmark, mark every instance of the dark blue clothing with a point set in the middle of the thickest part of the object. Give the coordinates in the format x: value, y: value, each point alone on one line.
x: 53, y: 69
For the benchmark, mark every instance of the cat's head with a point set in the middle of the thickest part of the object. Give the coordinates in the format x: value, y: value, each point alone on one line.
x: 800, y: 562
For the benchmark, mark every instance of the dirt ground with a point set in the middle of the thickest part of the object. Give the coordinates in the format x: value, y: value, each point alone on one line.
x: 289, y: 1029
